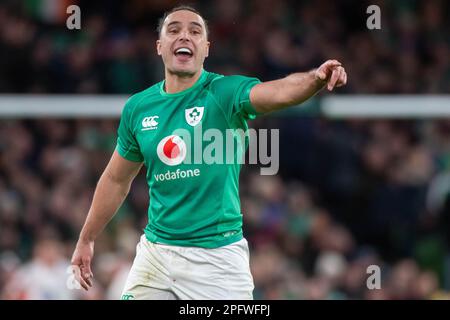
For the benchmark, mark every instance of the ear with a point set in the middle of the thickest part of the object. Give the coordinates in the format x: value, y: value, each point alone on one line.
x: 207, y: 48
x: 158, y: 47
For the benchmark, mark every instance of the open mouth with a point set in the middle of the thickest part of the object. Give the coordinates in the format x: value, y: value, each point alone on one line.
x: 184, y: 53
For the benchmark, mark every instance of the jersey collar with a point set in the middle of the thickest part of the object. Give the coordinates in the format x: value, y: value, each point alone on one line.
x: 199, y: 81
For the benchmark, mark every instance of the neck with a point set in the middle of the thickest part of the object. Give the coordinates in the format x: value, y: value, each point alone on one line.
x: 175, y: 83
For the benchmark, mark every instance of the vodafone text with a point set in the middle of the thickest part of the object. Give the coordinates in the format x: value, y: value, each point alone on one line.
x: 178, y: 174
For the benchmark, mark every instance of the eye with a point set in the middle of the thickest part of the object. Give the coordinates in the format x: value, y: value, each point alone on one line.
x: 196, y: 32
x: 172, y: 31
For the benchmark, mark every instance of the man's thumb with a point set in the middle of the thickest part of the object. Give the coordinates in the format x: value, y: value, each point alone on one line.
x: 321, y: 75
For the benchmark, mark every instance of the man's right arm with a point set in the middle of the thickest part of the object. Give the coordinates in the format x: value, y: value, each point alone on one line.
x: 296, y: 88
x: 112, y: 188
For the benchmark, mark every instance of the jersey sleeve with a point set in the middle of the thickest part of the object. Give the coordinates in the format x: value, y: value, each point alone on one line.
x: 233, y: 95
x: 127, y: 145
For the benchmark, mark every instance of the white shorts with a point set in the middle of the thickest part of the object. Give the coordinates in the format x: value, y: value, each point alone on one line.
x: 166, y: 272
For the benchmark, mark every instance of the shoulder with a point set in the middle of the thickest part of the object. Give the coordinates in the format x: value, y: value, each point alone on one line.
x: 220, y: 79
x: 222, y: 82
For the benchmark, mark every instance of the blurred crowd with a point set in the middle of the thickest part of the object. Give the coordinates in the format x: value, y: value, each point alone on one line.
x: 350, y: 194
x: 114, y: 51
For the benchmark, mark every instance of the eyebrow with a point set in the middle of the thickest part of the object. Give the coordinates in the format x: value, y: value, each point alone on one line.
x: 191, y: 23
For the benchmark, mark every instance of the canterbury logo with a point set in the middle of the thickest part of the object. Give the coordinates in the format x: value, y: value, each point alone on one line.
x: 150, y: 123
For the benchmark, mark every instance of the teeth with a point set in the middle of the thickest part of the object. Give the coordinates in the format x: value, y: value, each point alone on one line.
x: 184, y: 50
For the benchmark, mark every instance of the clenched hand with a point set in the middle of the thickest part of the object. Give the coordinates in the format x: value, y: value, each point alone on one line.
x: 332, y: 73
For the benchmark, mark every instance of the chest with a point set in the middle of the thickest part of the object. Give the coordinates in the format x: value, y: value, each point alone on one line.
x: 186, y: 118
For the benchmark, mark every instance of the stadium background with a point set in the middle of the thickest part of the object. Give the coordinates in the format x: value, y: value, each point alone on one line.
x: 351, y: 192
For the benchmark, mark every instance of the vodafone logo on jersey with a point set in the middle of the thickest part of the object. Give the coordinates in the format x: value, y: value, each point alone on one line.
x: 171, y: 150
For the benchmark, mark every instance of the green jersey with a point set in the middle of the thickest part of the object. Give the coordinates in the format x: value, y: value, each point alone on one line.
x: 192, y: 203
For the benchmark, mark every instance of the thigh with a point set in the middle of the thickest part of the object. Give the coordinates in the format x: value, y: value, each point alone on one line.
x: 214, y: 274
x: 148, y: 277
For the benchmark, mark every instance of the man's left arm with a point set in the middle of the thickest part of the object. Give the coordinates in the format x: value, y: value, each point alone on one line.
x: 297, y: 88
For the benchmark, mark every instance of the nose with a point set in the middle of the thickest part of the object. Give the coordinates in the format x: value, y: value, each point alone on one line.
x: 184, y: 35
